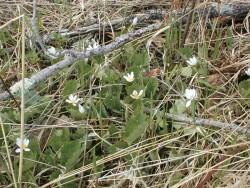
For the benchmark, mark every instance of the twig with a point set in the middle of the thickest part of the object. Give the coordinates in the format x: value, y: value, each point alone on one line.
x: 203, y: 122
x: 119, y: 42
x: 188, y: 23
x: 35, y: 30
x: 115, y: 24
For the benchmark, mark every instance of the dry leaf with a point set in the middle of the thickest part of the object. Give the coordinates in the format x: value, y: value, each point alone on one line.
x: 153, y: 73
x: 216, y: 79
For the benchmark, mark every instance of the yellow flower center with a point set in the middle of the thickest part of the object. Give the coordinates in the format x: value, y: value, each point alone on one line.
x: 24, y: 146
x: 136, y: 95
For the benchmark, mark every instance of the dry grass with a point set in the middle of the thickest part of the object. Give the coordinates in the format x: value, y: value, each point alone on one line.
x: 178, y: 158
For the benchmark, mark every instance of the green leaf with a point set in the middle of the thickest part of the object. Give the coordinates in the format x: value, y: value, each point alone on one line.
x: 244, y: 88
x: 113, y: 130
x: 179, y: 107
x: 176, y: 178
x: 100, y: 72
x: 112, y: 77
x: 29, y: 164
x: 29, y: 177
x: 178, y: 125
x: 135, y: 127
x: 152, y: 85
x: 74, y: 112
x: 70, y: 86
x: 118, y: 145
x: 141, y: 59
x: 58, y: 138
x: 113, y: 103
x: 99, y: 110
x: 185, y: 53
x: 70, y: 153
x: 186, y: 71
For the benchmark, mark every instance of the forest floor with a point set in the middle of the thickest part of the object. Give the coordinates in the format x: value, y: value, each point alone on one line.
x: 140, y: 93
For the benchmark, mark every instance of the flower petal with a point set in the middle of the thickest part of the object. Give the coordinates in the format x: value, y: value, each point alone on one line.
x: 26, y: 149
x: 92, y: 134
x: 140, y: 93
x: 68, y: 101
x: 81, y: 109
x: 192, y: 61
x: 126, y: 77
x: 26, y: 142
x: 18, y: 150
x: 247, y: 71
x: 77, y: 100
x: 188, y: 103
x: 18, y: 142
x: 132, y: 96
x: 71, y: 96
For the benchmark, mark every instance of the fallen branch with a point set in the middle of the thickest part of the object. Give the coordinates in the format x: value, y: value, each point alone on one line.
x: 42, y: 75
x: 108, y: 26
x: 203, y: 122
x: 203, y: 11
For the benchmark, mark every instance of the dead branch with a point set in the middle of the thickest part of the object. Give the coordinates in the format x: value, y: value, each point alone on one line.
x: 204, y: 11
x: 119, y: 42
x: 203, y: 122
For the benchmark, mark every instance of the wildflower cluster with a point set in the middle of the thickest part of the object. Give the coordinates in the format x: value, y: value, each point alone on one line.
x: 130, y: 78
x: 191, y: 94
x: 95, y: 45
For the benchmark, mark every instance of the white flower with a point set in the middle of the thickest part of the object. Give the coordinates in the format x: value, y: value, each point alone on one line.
x: 92, y: 134
x: 52, y: 50
x: 24, y: 146
x: 81, y: 109
x: 95, y: 45
x: 130, y: 77
x: 135, y: 20
x: 73, y: 99
x: 190, y: 94
x: 192, y: 61
x: 247, y: 71
x: 136, y: 95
